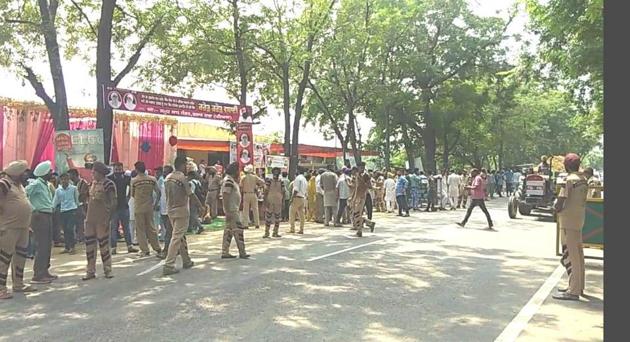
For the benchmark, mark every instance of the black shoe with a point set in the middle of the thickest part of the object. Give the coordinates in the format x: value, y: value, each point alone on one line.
x: 257, y: 227
x: 276, y: 235
x: 461, y: 224
x: 372, y: 225
x: 130, y: 249
x: 228, y: 256
x: 266, y: 236
x: 244, y: 256
x: 109, y: 275
x: 359, y: 234
x: 166, y: 271
x: 200, y: 230
x: 188, y: 265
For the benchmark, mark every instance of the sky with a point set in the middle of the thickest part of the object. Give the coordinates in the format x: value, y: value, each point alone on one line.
x: 81, y: 86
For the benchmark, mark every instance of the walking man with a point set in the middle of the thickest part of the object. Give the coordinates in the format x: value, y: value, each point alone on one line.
x: 463, y: 192
x: 363, y: 182
x: 143, y: 187
x: 212, y: 198
x: 453, y: 182
x: 478, y: 197
x: 179, y: 198
x: 166, y: 222
x: 231, y: 194
x: 329, y: 185
x: 390, y: 192
x: 67, y: 199
x: 297, y: 201
x: 15, y: 219
x: 273, y: 200
x: 571, y: 209
x: 319, y: 197
x: 343, y: 193
x: 41, y: 200
x: 120, y: 214
x: 100, y: 207
x: 379, y: 190
x: 401, y: 194
x: 249, y: 184
x: 432, y: 192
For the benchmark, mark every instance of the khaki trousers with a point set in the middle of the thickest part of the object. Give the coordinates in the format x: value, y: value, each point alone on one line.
x: 13, y: 248
x: 573, y: 259
x: 97, y: 232
x: 297, y: 208
x: 212, y: 200
x: 250, y: 202
x: 178, y: 242
x: 233, y: 228
x: 145, y: 230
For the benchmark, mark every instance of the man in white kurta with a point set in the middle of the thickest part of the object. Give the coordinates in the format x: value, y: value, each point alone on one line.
x: 453, y: 181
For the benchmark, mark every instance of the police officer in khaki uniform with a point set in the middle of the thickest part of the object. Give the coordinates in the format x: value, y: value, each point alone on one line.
x: 143, y: 188
x: 571, y: 210
x: 362, y: 183
x: 231, y: 194
x: 273, y: 200
x: 249, y: 183
x: 179, y: 197
x: 379, y: 188
x: 212, y: 197
x: 100, y: 205
x: 15, y: 219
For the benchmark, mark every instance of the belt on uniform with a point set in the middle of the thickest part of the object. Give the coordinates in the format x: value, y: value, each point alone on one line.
x: 248, y: 192
x: 41, y: 212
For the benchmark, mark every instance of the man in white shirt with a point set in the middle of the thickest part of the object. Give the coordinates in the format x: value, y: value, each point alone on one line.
x: 516, y: 179
x: 453, y: 182
x: 390, y: 192
x: 300, y: 186
x: 343, y: 193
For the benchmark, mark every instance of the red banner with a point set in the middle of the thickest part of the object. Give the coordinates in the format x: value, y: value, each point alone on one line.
x: 244, y: 144
x: 143, y: 102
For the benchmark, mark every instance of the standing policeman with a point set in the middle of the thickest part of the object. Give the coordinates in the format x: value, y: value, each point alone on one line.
x: 249, y: 183
x: 15, y: 218
x: 571, y: 209
x: 231, y: 193
x: 274, y: 199
x: 100, y: 207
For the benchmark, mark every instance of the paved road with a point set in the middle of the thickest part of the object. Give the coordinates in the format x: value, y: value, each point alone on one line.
x: 416, y: 278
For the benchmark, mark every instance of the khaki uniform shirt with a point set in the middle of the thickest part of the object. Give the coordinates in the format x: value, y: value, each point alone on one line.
x: 250, y: 182
x: 274, y: 190
x: 363, y: 183
x: 15, y: 209
x: 572, y: 216
x: 231, y: 195
x: 102, y: 201
x: 214, y: 183
x: 177, y: 190
x: 142, y: 189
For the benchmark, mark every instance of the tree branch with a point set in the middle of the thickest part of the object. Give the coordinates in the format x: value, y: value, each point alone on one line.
x: 333, y: 123
x: 19, y: 21
x: 39, y: 88
x: 52, y: 8
x: 76, y: 5
x: 136, y: 56
x: 125, y: 13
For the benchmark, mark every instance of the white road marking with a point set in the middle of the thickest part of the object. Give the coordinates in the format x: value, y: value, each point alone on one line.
x: 344, y: 250
x: 516, y: 326
x: 152, y: 268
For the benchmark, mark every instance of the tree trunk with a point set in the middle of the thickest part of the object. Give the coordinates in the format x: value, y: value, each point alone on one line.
x: 445, y: 151
x: 387, y: 141
x: 352, y: 134
x: 240, y: 55
x: 104, y: 115
x: 293, y: 161
x: 411, y: 157
x: 59, y: 112
x: 286, y: 89
x: 429, y: 137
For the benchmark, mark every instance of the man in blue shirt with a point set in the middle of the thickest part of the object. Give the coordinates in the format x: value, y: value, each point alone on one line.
x: 67, y: 199
x: 401, y: 193
x: 508, y: 181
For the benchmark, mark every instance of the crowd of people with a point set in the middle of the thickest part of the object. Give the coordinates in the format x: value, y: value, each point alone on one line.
x: 154, y: 210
